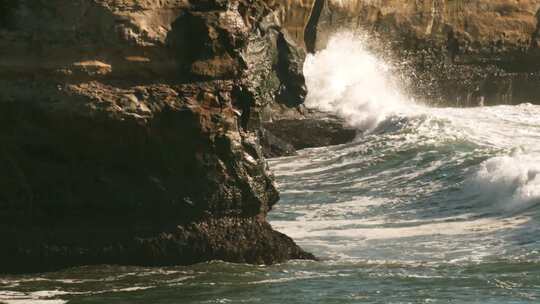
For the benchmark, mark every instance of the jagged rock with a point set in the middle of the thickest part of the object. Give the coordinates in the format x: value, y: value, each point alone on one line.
x: 274, y: 75
x: 124, y: 137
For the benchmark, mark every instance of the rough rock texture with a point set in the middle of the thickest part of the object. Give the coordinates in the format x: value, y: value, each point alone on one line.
x: 316, y: 129
x: 273, y: 146
x: 285, y: 135
x: 128, y: 131
x: 456, y: 52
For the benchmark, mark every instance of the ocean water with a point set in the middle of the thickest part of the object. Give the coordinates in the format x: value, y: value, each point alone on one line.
x: 427, y: 205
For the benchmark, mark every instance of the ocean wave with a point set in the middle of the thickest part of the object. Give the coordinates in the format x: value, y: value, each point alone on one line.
x: 347, y: 79
x: 511, y: 183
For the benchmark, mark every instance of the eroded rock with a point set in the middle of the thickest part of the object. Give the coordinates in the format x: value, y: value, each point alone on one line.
x: 128, y: 138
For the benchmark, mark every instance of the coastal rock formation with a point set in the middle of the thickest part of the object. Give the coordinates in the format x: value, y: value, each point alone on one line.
x: 129, y: 131
x: 451, y: 52
x: 316, y: 129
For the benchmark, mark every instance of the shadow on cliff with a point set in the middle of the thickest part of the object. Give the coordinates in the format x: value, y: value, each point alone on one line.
x: 7, y: 13
x: 203, y: 48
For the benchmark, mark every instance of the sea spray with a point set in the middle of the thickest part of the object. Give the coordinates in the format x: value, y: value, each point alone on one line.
x: 510, y: 183
x: 347, y: 79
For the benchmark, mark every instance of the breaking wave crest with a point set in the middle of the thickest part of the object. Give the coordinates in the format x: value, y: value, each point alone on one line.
x: 511, y: 182
x: 349, y: 80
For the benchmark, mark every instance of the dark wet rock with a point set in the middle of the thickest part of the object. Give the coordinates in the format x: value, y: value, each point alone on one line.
x: 128, y: 132
x: 274, y: 76
x: 233, y: 239
x: 292, y: 90
x: 311, y: 31
x: 274, y: 146
x: 317, y: 130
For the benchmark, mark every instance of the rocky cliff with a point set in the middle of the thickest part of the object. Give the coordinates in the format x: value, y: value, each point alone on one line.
x: 129, y: 131
x: 455, y: 52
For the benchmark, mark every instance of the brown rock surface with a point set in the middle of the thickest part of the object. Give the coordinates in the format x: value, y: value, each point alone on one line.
x: 128, y: 136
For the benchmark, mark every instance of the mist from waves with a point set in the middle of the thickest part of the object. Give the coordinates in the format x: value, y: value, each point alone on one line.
x: 347, y: 79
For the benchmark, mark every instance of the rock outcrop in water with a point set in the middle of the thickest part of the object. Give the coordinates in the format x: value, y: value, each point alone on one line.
x: 314, y: 130
x: 129, y: 131
x: 455, y: 52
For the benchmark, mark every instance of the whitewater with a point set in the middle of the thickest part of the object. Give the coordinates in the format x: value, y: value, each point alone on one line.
x: 440, y: 201
x: 426, y: 205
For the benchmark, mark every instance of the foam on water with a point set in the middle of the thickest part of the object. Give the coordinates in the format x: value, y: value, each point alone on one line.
x: 38, y: 297
x: 348, y: 80
x: 510, y: 182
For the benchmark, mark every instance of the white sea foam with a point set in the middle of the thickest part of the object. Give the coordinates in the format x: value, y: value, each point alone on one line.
x: 362, y: 230
x: 40, y: 297
x: 32, y: 301
x: 510, y: 182
x: 347, y: 79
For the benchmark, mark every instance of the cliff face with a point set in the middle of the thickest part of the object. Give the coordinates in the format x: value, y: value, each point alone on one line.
x: 128, y: 131
x: 458, y: 52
